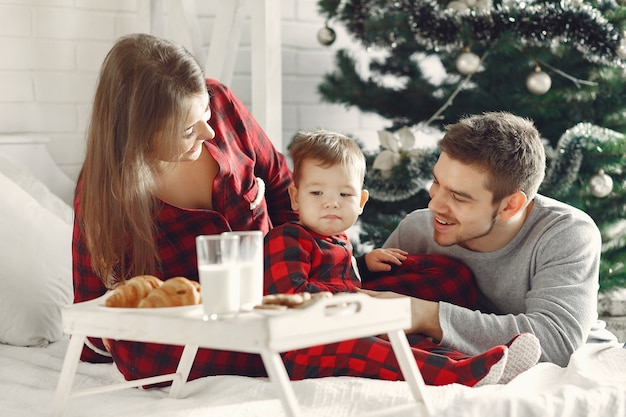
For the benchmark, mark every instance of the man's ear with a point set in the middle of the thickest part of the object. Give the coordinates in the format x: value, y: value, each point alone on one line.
x: 365, y: 195
x: 293, y: 196
x: 512, y: 205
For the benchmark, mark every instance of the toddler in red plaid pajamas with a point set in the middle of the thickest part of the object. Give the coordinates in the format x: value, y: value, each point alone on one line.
x: 315, y: 255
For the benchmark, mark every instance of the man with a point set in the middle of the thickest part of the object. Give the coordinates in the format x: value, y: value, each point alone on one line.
x: 535, y: 259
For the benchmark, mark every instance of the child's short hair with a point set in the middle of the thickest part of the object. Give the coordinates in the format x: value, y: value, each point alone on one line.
x: 329, y: 148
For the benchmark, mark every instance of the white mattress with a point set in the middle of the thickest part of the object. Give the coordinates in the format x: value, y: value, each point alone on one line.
x: 594, y: 384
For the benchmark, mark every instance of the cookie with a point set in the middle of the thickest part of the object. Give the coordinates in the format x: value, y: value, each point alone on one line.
x: 285, y: 301
x: 288, y: 300
x: 277, y: 307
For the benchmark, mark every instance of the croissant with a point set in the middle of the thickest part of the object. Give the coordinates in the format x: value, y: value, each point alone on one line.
x: 177, y: 291
x: 133, y: 290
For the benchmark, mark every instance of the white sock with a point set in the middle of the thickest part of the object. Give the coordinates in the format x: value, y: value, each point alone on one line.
x: 524, y: 353
x: 495, y: 372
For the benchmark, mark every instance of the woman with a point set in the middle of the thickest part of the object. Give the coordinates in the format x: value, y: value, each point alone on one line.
x: 170, y: 155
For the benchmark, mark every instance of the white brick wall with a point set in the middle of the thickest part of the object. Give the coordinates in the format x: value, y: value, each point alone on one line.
x: 52, y: 49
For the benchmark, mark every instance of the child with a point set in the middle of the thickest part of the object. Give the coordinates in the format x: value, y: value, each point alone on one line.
x: 315, y: 255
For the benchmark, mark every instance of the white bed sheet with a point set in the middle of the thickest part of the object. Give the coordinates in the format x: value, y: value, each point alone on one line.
x: 594, y: 384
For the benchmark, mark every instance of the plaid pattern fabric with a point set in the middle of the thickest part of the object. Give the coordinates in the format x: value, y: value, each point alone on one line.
x: 141, y: 360
x: 243, y: 152
x: 373, y: 357
x: 430, y: 277
x: 298, y: 259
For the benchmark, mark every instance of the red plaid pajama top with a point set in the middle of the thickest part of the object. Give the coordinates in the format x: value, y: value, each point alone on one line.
x: 298, y: 259
x: 243, y: 152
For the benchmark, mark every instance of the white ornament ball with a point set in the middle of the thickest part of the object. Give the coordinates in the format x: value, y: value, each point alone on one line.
x: 538, y: 83
x: 483, y: 5
x: 467, y: 63
x: 601, y: 185
x: 621, y: 49
x: 326, y: 36
x: 459, y: 6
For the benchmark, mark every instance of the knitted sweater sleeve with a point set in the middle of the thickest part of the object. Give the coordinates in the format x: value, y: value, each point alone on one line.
x: 557, y: 301
x: 544, y: 282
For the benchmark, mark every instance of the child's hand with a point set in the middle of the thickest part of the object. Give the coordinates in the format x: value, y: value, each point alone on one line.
x: 107, y: 344
x: 380, y: 260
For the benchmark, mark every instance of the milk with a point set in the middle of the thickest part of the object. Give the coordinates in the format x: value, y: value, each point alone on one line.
x: 251, y: 281
x: 220, y: 289
x: 250, y: 263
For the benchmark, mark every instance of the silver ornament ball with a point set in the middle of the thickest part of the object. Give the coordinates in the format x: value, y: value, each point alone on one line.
x: 326, y: 36
x: 621, y: 49
x: 459, y: 6
x: 468, y: 63
x: 538, y: 83
x: 600, y: 185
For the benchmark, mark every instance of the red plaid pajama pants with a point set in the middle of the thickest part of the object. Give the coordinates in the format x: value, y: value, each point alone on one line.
x: 431, y: 277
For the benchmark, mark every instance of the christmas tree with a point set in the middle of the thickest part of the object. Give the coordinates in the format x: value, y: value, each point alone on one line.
x: 559, y: 63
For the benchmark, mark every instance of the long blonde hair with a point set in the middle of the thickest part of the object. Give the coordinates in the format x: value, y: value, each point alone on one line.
x: 139, y: 110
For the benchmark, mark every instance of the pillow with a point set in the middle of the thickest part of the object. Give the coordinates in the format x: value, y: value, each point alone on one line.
x: 35, y: 267
x: 21, y: 176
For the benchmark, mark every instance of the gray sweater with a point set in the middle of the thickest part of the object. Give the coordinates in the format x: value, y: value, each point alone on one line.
x: 544, y: 281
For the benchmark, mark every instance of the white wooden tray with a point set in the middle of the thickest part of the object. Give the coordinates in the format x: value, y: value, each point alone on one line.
x: 329, y: 320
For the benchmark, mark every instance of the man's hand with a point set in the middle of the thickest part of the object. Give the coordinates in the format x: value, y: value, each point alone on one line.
x: 424, y: 314
x: 380, y: 260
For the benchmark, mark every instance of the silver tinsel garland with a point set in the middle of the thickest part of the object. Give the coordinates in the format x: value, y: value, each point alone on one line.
x: 438, y: 28
x: 574, y: 144
x: 564, y: 163
x: 393, y: 189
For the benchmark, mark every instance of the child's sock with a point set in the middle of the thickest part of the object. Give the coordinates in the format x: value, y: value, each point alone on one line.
x: 524, y: 352
x: 498, y: 357
x: 483, y: 369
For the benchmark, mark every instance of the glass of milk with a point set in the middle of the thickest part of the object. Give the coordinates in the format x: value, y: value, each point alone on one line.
x: 250, y: 267
x: 219, y: 275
